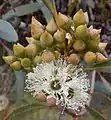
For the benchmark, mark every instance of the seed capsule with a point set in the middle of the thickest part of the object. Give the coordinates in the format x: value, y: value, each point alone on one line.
x: 100, y: 58
x: 26, y: 62
x: 79, y: 45
x: 18, y: 50
x: 16, y: 65
x: 9, y: 59
x: 90, y: 57
x: 46, y: 39
x: 31, y: 50
x: 36, y: 28
x: 51, y: 26
x: 60, y: 36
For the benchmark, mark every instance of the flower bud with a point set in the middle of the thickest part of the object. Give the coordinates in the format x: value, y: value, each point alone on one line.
x: 9, y: 59
x: 36, y: 28
x: 26, y: 62
x: 80, y: 18
x: 41, y: 97
x: 48, y: 56
x: 60, y: 36
x: 16, y: 65
x: 37, y: 60
x: 30, y: 40
x: 100, y: 58
x: 51, y: 101
x: 81, y: 32
x: 51, y: 26
x: 46, y: 39
x: 74, y: 59
x: 79, y: 45
x: 18, y: 50
x: 63, y: 21
x: 57, y: 54
x: 101, y: 47
x: 60, y: 45
x: 90, y: 57
x: 31, y: 50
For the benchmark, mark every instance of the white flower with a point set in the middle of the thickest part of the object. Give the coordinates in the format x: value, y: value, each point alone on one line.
x: 67, y: 83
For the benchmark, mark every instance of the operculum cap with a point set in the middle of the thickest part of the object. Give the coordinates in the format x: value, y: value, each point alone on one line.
x: 100, y: 58
x: 101, y: 47
x: 16, y: 65
x: 26, y: 62
x: 9, y: 59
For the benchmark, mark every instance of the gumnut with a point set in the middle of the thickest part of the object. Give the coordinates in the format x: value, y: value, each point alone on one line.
x: 9, y: 59
x: 90, y: 57
x: 74, y: 59
x: 19, y: 50
x: 16, y: 65
x: 36, y: 28
x: 51, y: 26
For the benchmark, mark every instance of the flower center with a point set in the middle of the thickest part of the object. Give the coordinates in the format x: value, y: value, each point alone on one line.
x: 71, y: 93
x: 55, y: 85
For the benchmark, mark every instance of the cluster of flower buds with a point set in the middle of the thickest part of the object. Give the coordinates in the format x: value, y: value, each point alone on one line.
x: 61, y: 34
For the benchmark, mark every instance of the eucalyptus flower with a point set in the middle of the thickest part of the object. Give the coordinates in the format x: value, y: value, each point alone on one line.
x: 67, y: 83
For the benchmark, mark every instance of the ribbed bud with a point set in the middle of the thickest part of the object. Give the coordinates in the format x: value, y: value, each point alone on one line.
x: 81, y: 32
x: 80, y: 18
x: 16, y: 65
x: 101, y: 47
x: 60, y: 36
x: 18, y: 50
x: 9, y: 59
x: 79, y: 45
x: 31, y: 50
x: 26, y: 62
x: 48, y: 56
x: 41, y: 97
x: 74, y: 59
x: 51, y: 26
x: 36, y: 28
x: 46, y: 39
x: 37, y: 60
x: 100, y: 58
x: 90, y: 57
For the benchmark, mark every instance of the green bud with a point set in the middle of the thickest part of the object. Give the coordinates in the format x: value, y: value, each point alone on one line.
x: 100, y: 58
x: 31, y: 50
x: 90, y: 57
x: 18, y: 50
x: 101, y: 47
x: 60, y: 45
x: 79, y: 45
x: 51, y: 26
x: 9, y: 59
x: 81, y: 32
x: 26, y: 62
x: 36, y: 28
x: 37, y: 60
x: 48, y: 56
x: 74, y: 59
x: 57, y: 54
x: 60, y: 36
x: 16, y: 65
x: 46, y: 39
x: 80, y: 18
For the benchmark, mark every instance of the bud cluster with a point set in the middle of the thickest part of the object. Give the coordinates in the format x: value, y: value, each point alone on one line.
x: 50, y: 42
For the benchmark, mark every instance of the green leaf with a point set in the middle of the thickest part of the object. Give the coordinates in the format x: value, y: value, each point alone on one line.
x: 95, y: 113
x: 22, y: 10
x: 7, y: 32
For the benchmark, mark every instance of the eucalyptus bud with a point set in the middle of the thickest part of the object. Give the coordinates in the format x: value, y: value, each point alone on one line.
x: 51, y: 26
x: 63, y: 21
x: 31, y: 40
x: 51, y: 101
x: 26, y: 62
x: 18, y: 50
x: 46, y: 39
x: 90, y: 57
x: 31, y: 50
x: 16, y: 65
x: 101, y: 47
x: 48, y: 56
x: 80, y: 18
x: 9, y: 59
x: 81, y: 32
x: 36, y: 28
x: 74, y: 59
x: 57, y: 54
x: 41, y: 97
x: 100, y: 58
x: 60, y: 36
x: 37, y: 60
x: 79, y: 45
x: 60, y: 45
